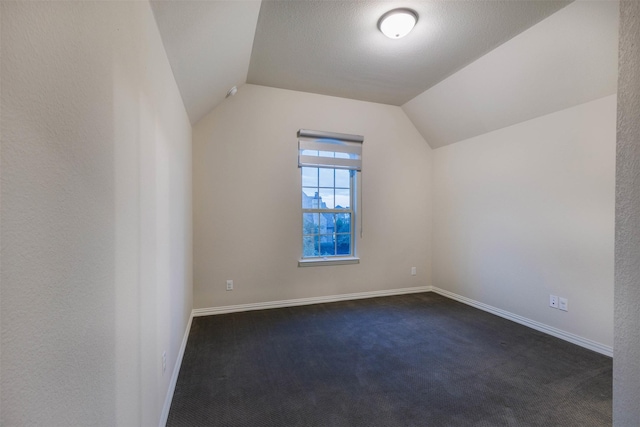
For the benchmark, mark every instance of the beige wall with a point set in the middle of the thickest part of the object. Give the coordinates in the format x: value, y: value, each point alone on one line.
x: 528, y: 211
x: 626, y: 369
x: 96, y: 215
x: 247, y: 199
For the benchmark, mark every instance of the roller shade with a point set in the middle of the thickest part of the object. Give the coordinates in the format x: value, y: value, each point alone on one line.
x: 329, y: 150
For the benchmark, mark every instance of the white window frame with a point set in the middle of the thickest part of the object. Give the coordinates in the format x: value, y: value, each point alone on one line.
x: 354, y: 167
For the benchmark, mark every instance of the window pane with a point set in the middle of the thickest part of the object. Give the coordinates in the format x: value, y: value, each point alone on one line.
x: 310, y: 223
x: 327, y: 223
x: 343, y: 178
x: 343, y: 198
x: 309, y: 177
x: 310, y: 198
x: 326, y: 177
x: 310, y: 191
x: 343, y: 223
x: 310, y: 153
x: 310, y: 246
x: 342, y: 155
x: 327, y: 245
x: 326, y: 194
x: 344, y: 244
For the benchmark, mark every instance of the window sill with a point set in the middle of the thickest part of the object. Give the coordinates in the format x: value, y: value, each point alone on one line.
x: 313, y: 262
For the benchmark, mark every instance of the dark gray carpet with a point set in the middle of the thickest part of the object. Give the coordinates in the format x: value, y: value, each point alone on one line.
x: 409, y: 360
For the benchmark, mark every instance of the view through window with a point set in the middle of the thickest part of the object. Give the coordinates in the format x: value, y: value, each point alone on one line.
x: 327, y: 211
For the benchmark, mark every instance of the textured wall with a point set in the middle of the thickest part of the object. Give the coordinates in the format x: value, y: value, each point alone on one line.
x: 528, y: 211
x: 626, y: 366
x: 95, y: 215
x: 247, y: 199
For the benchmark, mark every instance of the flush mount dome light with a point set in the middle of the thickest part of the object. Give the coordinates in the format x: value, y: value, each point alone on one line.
x: 397, y: 23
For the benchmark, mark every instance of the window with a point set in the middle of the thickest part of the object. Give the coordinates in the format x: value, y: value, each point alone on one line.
x: 327, y: 212
x: 329, y: 163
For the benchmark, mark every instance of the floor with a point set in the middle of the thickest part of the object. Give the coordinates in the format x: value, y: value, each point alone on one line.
x: 408, y: 360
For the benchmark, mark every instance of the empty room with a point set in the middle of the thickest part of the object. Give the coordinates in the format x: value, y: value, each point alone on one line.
x: 320, y: 213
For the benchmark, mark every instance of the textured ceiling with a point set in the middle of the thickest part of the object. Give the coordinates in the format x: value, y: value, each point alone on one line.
x: 334, y: 47
x: 467, y: 68
x: 329, y: 47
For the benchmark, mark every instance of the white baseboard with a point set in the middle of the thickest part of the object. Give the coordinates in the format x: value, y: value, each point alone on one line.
x: 306, y: 301
x: 558, y: 333
x: 174, y: 377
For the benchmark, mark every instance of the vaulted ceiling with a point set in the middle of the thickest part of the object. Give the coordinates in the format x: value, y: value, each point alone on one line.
x: 458, y: 47
x: 335, y: 48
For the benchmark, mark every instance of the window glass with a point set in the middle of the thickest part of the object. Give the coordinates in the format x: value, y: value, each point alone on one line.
x: 310, y: 246
x: 309, y: 177
x: 326, y: 194
x: 327, y: 212
x: 343, y: 244
x: 327, y: 245
x: 342, y: 198
x: 326, y: 177
x: 343, y: 177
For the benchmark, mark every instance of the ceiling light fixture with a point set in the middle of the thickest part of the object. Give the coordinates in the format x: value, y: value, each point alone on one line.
x: 397, y: 23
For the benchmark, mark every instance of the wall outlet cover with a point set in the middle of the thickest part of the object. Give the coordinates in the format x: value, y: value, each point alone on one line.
x: 553, y: 301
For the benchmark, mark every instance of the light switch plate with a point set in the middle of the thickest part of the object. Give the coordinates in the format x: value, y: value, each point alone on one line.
x: 563, y: 304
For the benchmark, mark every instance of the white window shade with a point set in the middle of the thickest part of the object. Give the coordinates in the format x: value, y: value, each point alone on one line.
x: 329, y: 150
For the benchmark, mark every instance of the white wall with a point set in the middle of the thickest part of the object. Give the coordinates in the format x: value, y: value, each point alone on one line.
x: 626, y: 369
x: 96, y: 215
x: 247, y: 199
x: 528, y: 211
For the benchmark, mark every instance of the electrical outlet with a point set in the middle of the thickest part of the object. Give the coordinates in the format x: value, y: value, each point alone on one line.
x: 164, y: 362
x: 229, y: 285
x: 563, y: 304
x: 413, y: 271
x: 553, y: 301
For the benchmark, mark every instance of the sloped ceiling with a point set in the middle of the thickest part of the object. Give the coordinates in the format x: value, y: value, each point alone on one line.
x: 209, y: 47
x: 335, y: 47
x: 467, y: 68
x: 567, y: 59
